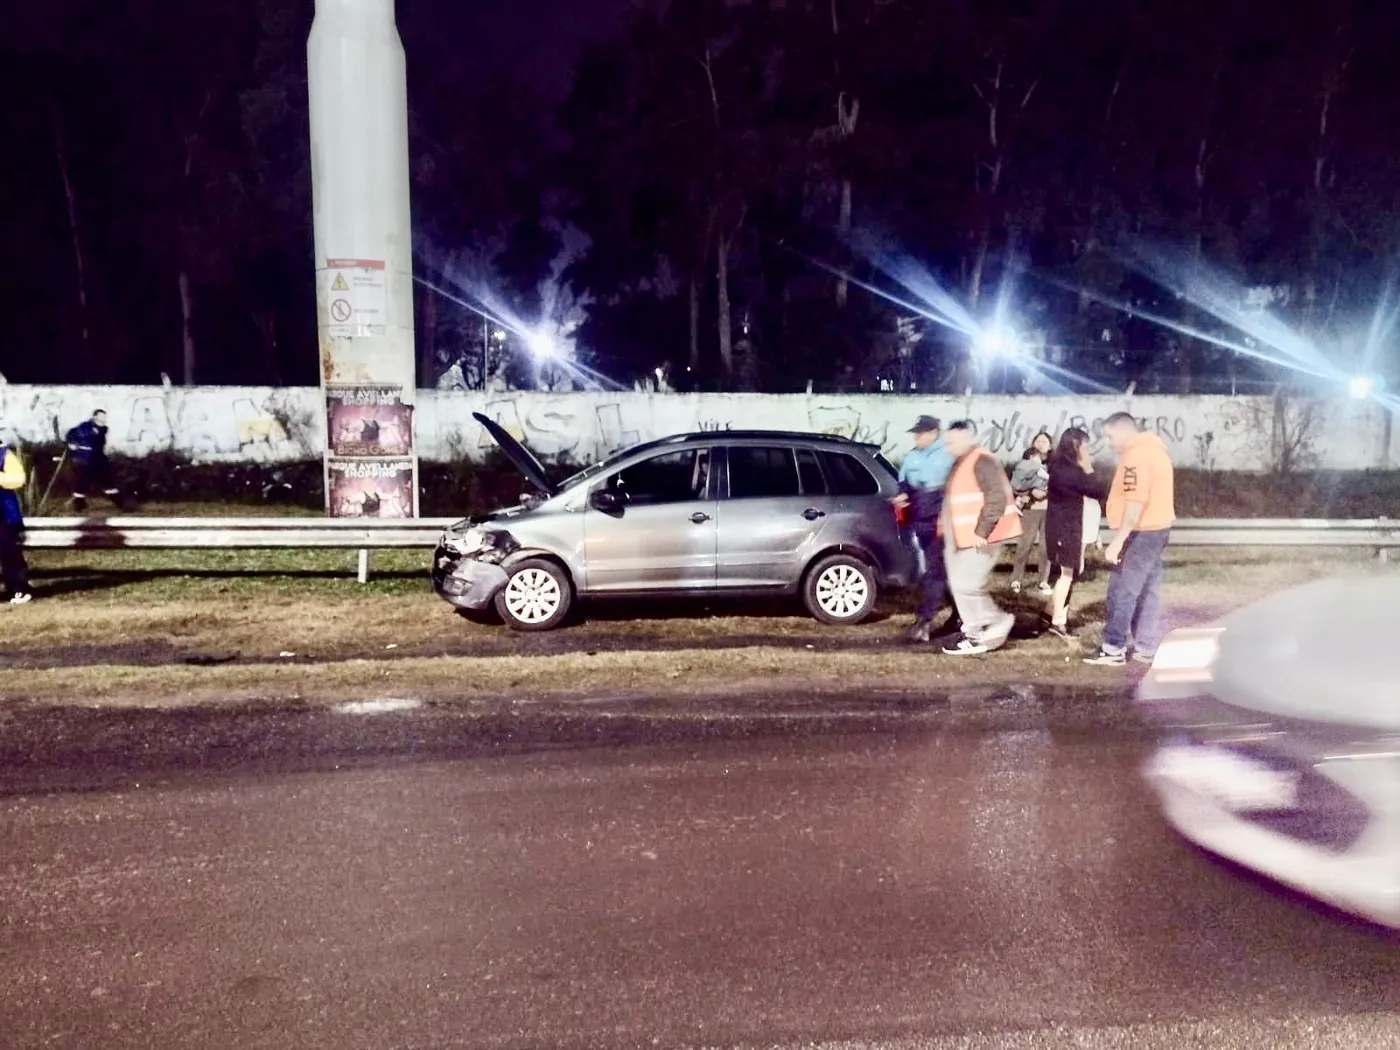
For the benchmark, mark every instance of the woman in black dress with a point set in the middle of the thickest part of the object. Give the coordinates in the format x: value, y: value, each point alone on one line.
x: 1072, y: 481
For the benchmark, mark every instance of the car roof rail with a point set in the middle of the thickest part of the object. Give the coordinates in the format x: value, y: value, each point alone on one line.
x: 769, y: 435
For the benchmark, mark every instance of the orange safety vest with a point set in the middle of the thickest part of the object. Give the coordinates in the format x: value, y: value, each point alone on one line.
x: 963, y: 501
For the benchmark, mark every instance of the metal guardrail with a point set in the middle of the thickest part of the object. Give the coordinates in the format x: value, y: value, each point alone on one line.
x: 365, y: 535
x: 1379, y: 534
x: 357, y: 534
x: 233, y: 533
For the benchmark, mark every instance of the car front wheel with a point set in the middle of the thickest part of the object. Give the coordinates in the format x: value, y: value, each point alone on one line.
x: 840, y: 589
x: 536, y: 597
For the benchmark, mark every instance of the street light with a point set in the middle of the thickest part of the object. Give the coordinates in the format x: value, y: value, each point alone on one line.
x: 542, y: 346
x: 997, y: 340
x: 1363, y: 387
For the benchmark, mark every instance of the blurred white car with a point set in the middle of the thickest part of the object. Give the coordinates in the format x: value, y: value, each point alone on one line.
x: 1281, y: 742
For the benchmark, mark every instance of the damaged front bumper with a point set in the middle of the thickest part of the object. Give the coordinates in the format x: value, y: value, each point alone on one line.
x: 467, y: 566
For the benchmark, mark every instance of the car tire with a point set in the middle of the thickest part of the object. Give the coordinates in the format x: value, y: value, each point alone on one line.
x: 840, y: 589
x: 536, y: 597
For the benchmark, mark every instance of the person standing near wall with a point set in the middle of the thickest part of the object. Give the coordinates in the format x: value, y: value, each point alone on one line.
x: 12, y: 564
x: 979, y: 516
x: 922, y: 476
x: 1141, y: 511
x: 1073, y: 490
x: 87, y: 444
x: 1030, y: 483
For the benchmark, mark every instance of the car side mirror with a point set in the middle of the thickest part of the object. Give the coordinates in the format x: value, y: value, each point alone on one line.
x: 609, y: 501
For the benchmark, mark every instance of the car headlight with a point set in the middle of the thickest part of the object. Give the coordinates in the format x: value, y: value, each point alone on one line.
x: 1187, y: 655
x: 466, y: 543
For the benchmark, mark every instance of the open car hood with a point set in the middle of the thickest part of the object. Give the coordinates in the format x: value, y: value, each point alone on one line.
x: 518, y: 454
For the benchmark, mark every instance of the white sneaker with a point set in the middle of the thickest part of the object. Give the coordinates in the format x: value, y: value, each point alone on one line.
x: 1045, y: 588
x: 1016, y: 587
x: 23, y: 598
x: 965, y: 646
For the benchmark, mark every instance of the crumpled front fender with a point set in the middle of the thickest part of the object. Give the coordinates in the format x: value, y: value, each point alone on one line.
x: 471, y: 584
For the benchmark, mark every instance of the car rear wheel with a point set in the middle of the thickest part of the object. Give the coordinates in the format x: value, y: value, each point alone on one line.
x: 536, y: 597
x: 840, y: 589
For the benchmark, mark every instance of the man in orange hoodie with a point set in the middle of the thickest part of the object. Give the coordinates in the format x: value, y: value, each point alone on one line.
x: 1141, y: 511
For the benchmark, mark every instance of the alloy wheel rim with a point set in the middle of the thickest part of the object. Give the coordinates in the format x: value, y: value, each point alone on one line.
x: 842, y: 591
x: 533, y: 596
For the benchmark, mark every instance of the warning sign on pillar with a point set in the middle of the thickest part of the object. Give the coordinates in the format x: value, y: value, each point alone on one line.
x: 356, y: 295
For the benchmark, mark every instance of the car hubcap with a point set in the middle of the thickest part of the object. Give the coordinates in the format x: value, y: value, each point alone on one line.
x: 533, y: 596
x: 842, y: 591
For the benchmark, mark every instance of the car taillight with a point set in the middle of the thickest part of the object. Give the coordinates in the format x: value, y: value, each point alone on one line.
x: 901, y: 514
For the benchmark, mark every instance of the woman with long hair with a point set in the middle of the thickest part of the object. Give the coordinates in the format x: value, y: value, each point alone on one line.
x: 1074, y: 491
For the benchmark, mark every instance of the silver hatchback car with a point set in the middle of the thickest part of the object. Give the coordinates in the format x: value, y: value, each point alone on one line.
x: 694, y: 515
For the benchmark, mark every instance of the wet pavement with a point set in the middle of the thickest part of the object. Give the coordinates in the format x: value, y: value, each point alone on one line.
x: 974, y: 870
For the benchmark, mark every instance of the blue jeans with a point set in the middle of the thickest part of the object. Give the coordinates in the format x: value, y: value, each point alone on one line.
x: 1135, y: 594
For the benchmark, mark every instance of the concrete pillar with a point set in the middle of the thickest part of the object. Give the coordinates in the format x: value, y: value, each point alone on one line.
x: 360, y: 194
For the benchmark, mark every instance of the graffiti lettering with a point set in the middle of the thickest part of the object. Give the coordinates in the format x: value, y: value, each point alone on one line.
x: 260, y: 424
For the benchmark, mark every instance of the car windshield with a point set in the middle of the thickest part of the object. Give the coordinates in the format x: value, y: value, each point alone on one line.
x: 590, y: 472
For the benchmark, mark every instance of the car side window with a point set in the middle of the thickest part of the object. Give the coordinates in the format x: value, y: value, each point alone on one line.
x: 848, y: 476
x: 675, y: 477
x: 761, y: 472
x: 809, y: 473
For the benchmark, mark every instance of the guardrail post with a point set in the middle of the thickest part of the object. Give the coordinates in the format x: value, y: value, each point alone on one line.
x: 362, y: 573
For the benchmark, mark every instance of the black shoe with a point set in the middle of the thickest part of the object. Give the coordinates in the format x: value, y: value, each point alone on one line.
x: 920, y: 631
x: 1060, y: 631
x: 952, y: 629
x: 1103, y: 658
x: 80, y: 504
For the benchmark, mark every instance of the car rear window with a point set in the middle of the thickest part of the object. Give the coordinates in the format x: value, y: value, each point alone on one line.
x: 759, y: 472
x: 848, y: 476
x: 890, y: 468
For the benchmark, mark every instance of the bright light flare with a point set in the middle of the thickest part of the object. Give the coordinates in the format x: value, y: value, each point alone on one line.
x: 542, y: 346
x: 1364, y: 387
x: 997, y: 340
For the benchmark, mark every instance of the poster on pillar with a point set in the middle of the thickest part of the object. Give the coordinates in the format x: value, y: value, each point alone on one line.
x: 371, y: 488
x: 368, y: 422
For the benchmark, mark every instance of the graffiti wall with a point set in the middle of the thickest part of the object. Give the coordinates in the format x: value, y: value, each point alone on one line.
x: 260, y: 424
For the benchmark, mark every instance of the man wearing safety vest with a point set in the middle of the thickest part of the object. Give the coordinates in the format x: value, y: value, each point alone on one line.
x: 979, y: 515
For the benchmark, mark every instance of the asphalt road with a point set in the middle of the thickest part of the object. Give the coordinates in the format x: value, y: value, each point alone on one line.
x: 972, y: 871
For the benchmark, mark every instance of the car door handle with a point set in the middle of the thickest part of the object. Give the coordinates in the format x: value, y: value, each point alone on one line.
x: 699, y: 517
x: 812, y: 514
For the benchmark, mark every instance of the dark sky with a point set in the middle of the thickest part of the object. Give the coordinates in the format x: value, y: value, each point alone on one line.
x: 536, y: 40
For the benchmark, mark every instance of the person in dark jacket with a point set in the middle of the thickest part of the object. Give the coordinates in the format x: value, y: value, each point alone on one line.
x: 922, y: 475
x: 12, y: 564
x: 87, y: 445
x: 1073, y: 483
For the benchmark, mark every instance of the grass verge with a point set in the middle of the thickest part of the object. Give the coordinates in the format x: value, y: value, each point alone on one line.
x: 172, y: 627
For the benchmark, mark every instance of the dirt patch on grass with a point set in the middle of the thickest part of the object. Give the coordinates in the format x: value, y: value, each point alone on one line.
x: 759, y: 669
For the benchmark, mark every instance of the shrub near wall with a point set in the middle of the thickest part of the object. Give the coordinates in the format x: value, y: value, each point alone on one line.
x: 447, y: 489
